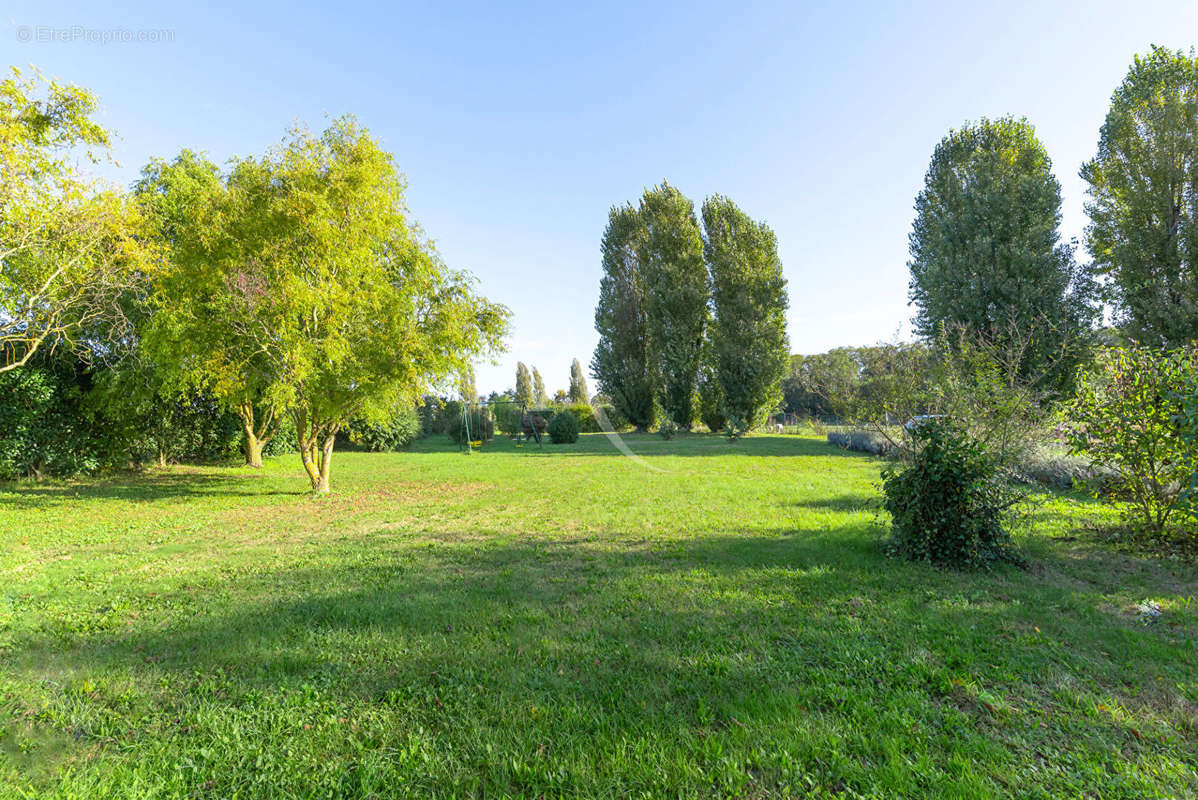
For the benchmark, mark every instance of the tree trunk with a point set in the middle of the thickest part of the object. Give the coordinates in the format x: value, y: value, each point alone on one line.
x: 253, y: 448
x: 326, y: 460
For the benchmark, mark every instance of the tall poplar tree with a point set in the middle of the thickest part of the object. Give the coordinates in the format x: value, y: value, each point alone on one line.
x: 539, y: 396
x: 621, y: 361
x: 1143, y: 188
x: 676, y: 293
x: 986, y: 254
x: 749, y: 348
x: 524, y: 394
x: 578, y: 384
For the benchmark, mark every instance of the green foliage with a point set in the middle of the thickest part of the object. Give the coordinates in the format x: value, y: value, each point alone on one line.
x: 585, y: 416
x: 985, y: 250
x: 577, y: 393
x: 208, y: 301
x: 1143, y: 232
x: 70, y: 246
x: 1134, y: 413
x: 711, y: 399
x: 507, y: 417
x: 617, y: 420
x: 621, y: 362
x: 429, y: 409
x: 667, y: 428
x: 748, y: 296
x: 392, y: 433
x: 42, y: 429
x: 524, y: 391
x: 476, y: 425
x: 313, y: 270
x: 676, y: 297
x: 467, y: 391
x: 949, y: 505
x: 539, y: 396
x: 563, y: 428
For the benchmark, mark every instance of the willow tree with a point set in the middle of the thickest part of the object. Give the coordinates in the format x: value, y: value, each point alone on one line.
x: 71, y: 248
x: 207, y: 305
x: 1143, y: 188
x: 748, y: 299
x: 677, y: 293
x: 349, y: 301
x: 986, y: 254
x: 621, y: 362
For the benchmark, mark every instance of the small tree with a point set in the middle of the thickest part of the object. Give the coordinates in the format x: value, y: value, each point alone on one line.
x: 347, y: 300
x: 206, y: 308
x: 578, y: 384
x: 1132, y: 413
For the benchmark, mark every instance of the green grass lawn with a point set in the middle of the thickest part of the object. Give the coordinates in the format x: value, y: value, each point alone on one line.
x: 568, y: 622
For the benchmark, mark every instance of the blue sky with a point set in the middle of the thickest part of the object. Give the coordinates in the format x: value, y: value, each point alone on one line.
x: 519, y: 125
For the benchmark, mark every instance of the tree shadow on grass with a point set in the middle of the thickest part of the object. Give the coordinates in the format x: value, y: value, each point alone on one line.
x: 849, y: 503
x: 149, y: 487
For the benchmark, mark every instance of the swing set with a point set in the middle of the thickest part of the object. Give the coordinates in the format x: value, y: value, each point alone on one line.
x: 531, y: 426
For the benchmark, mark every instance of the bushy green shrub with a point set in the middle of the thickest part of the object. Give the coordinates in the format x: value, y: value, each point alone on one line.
x: 949, y: 505
x: 563, y: 428
x: 41, y: 430
x: 1131, y: 413
x: 617, y: 420
x: 667, y: 428
x: 402, y: 428
x: 429, y: 410
x: 585, y: 416
x: 284, y: 441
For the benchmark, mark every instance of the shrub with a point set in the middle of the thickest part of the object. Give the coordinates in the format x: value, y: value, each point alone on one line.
x: 429, y: 410
x: 735, y: 427
x: 563, y: 428
x: 400, y: 430
x: 1130, y: 414
x: 585, y: 416
x: 617, y: 420
x: 948, y: 506
x: 667, y: 428
x: 284, y: 441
